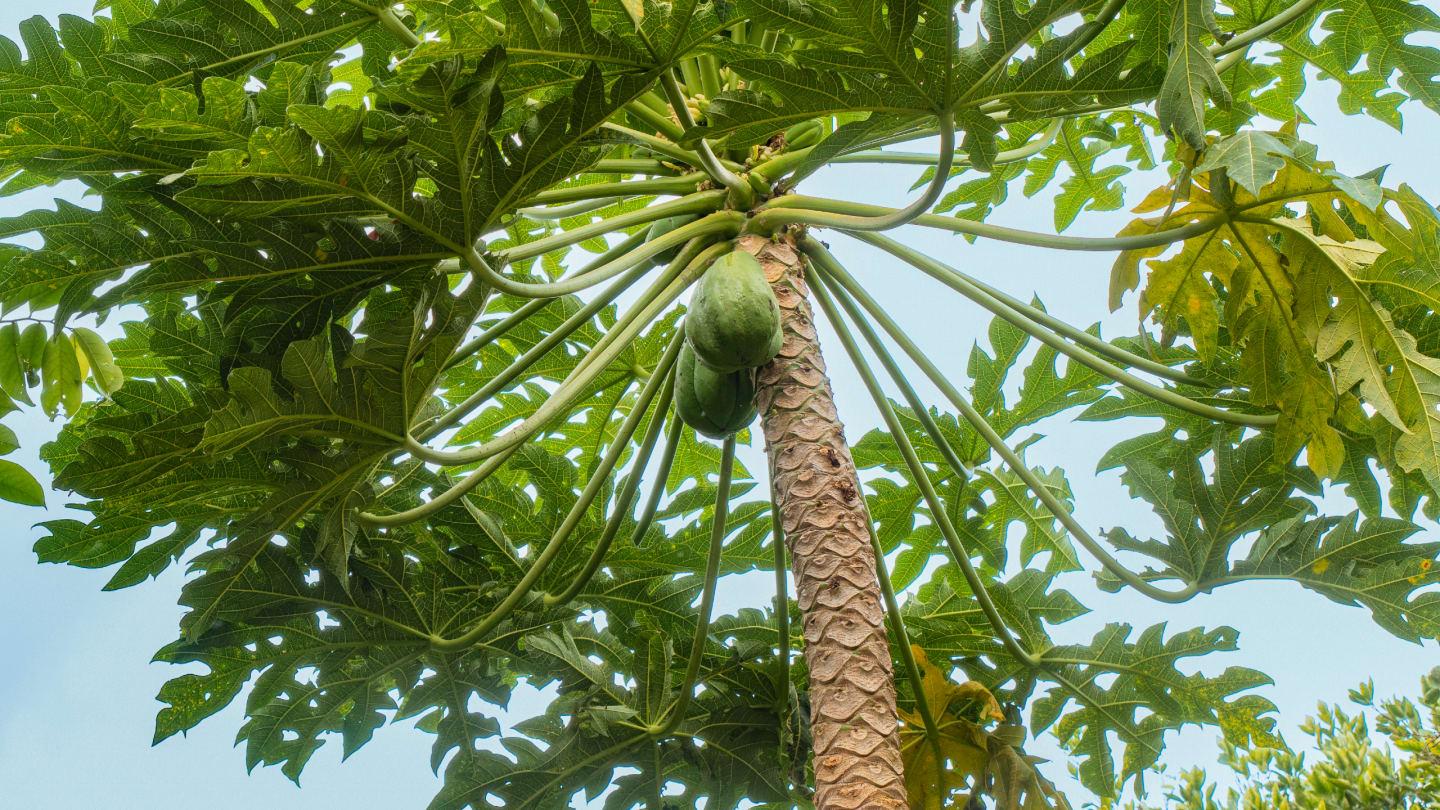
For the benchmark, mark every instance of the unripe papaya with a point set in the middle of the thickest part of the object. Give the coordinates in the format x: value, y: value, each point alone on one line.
x: 803, y: 134
x: 660, y: 227
x: 734, y: 320
x: 716, y: 404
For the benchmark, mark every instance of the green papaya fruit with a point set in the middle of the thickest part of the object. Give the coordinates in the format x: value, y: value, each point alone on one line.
x: 734, y: 320
x: 716, y: 404
x: 660, y: 227
x: 803, y: 134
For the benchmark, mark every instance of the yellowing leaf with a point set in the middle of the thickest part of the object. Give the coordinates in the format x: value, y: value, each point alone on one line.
x: 970, y: 750
x: 96, y: 352
x: 1179, y: 288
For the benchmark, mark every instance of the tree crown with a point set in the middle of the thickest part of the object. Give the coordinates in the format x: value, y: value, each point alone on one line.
x: 377, y: 388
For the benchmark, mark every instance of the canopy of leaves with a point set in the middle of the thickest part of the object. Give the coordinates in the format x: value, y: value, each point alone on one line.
x: 299, y: 209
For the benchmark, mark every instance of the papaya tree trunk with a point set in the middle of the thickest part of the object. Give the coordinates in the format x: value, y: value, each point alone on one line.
x: 817, y: 491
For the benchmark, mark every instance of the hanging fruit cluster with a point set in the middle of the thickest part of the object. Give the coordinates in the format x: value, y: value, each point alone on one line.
x: 733, y: 327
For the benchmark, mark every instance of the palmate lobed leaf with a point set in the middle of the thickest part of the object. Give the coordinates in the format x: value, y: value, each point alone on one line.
x: 279, y: 233
x: 1298, y: 306
x: 1356, y: 562
x: 971, y: 749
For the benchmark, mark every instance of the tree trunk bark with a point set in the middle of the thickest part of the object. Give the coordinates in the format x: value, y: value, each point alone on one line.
x: 852, y: 689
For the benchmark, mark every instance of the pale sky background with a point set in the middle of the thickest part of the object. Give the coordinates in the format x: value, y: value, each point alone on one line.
x: 77, y: 689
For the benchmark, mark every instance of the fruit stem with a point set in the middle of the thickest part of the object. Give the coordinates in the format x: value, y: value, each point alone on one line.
x: 741, y: 195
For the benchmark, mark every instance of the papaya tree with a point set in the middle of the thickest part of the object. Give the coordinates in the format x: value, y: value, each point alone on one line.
x: 433, y: 330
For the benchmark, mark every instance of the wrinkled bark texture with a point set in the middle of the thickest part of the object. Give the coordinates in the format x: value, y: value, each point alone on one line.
x: 817, y: 490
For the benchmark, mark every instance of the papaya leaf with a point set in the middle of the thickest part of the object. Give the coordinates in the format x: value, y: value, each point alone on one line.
x: 1191, y: 77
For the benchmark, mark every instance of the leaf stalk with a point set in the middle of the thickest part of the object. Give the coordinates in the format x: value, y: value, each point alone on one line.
x: 796, y: 209
x: 833, y: 270
x: 572, y: 519
x: 676, y: 715
x: 960, y: 283
x: 665, y: 291
x: 938, y: 512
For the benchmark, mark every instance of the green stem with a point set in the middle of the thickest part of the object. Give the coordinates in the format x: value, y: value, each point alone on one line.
x: 620, y: 509
x: 387, y: 18
x: 684, y: 184
x: 616, y: 341
x: 839, y: 214
x: 444, y: 499
x: 662, y: 475
x: 549, y: 214
x: 1230, y: 61
x: 502, y: 380
x: 782, y: 614
x: 657, y: 145
x: 393, y: 24
x: 1084, y: 338
x: 657, y: 798
x: 834, y: 271
x: 1092, y: 29
x: 658, y: 122
x: 707, y: 597
x: 740, y: 191
x: 938, y: 512
x: 534, y: 305
x: 690, y: 73
x: 957, y: 281
x: 701, y: 202
x: 1022, y: 152
x: 894, y: 219
x: 895, y: 158
x: 572, y: 519
x: 710, y: 80
x: 720, y: 224
x: 655, y: 101
x: 1270, y: 26
x: 632, y: 166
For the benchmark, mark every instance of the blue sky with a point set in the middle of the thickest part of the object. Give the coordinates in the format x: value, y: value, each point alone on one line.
x: 77, y: 691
